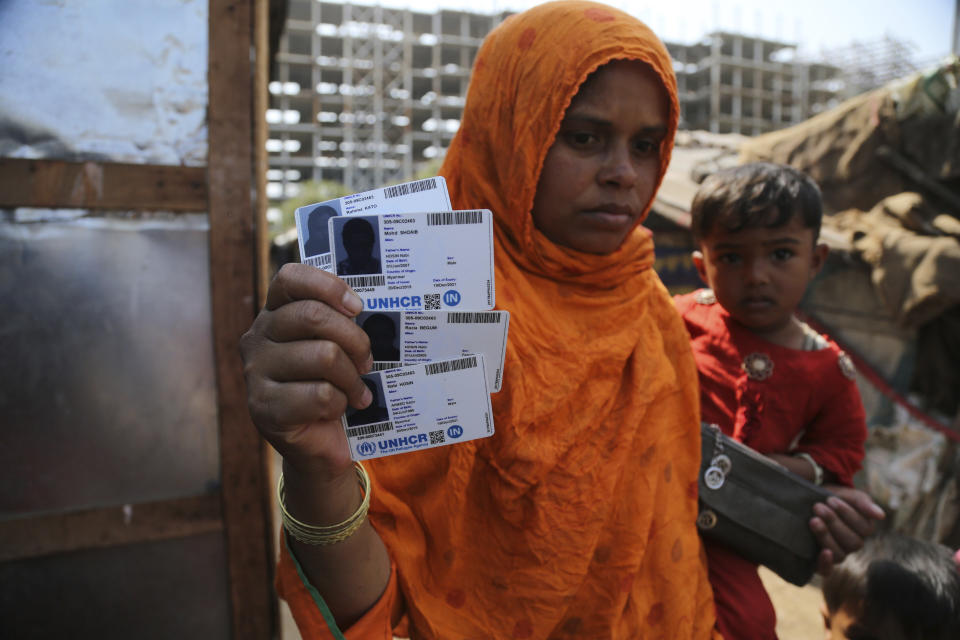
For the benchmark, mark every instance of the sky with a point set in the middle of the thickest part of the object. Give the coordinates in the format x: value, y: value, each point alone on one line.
x: 812, y: 24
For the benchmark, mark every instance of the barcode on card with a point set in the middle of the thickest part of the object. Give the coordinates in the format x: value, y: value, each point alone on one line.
x: 321, y: 261
x: 369, y: 429
x: 450, y: 365
x: 473, y: 317
x: 384, y: 365
x: 454, y: 217
x: 410, y: 187
x: 365, y: 281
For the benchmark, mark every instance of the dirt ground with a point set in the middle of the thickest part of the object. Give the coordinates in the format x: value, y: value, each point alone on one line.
x: 798, y: 608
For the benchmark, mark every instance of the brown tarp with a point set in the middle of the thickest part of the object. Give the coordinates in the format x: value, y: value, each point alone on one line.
x: 847, y: 149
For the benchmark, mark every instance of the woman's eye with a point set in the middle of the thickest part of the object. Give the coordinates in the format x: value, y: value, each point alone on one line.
x: 647, y: 146
x: 581, y: 138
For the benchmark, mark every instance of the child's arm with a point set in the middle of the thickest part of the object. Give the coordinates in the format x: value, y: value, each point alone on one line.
x: 842, y: 523
x: 801, y: 467
x: 835, y: 437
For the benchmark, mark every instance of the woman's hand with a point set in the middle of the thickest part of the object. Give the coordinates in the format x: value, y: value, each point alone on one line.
x: 303, y: 358
x: 842, y: 523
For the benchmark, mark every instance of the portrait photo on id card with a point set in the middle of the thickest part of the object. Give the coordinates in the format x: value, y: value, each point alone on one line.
x: 383, y: 328
x: 376, y: 411
x: 312, y: 221
x: 357, y: 237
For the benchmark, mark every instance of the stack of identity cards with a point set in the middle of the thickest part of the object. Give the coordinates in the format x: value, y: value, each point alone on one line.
x: 425, y: 274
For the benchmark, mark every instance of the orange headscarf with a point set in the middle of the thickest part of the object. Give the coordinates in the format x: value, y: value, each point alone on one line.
x: 576, y: 519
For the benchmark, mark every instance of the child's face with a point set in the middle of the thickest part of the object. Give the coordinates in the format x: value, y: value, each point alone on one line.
x: 603, y: 166
x: 844, y: 625
x: 759, y: 275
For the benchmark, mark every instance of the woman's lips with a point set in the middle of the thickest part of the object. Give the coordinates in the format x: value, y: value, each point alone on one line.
x: 609, y: 215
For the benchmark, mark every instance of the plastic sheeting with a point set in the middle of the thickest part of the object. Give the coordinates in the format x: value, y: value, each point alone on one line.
x: 111, y: 80
x: 108, y: 395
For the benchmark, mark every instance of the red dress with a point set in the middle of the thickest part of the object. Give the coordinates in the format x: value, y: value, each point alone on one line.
x: 775, y: 400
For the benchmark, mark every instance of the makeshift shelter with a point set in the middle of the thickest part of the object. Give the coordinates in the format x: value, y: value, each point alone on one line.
x: 888, y: 163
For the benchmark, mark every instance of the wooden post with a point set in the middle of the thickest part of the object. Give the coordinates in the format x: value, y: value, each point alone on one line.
x: 233, y: 259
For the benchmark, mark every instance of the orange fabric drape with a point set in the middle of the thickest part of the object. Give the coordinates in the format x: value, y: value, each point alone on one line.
x: 576, y: 519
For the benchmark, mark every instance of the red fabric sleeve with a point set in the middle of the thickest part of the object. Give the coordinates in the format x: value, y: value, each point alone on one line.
x: 311, y: 614
x: 835, y: 437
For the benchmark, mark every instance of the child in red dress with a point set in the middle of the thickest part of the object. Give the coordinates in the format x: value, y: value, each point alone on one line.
x: 766, y: 378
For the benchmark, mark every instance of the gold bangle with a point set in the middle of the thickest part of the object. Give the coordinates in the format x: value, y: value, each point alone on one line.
x: 325, y: 535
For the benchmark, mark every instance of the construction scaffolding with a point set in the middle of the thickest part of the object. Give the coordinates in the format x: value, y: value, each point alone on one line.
x: 734, y: 83
x: 868, y: 65
x: 362, y: 94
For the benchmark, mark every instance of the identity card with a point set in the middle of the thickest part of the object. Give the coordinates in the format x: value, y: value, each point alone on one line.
x: 421, y: 195
x: 399, y: 338
x: 420, y: 407
x: 416, y: 261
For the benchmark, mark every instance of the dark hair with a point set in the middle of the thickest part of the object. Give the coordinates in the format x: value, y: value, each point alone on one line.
x: 898, y: 583
x: 357, y: 228
x: 323, y: 212
x: 379, y: 320
x: 754, y: 195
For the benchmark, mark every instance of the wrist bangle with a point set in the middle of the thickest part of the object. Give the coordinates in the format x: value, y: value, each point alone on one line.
x: 325, y: 535
x: 817, y: 469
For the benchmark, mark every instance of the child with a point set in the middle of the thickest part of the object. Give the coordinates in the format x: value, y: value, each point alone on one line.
x: 894, y: 588
x: 766, y: 378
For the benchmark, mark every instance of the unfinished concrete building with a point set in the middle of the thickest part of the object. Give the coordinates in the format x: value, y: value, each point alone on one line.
x: 364, y: 95
x: 733, y: 83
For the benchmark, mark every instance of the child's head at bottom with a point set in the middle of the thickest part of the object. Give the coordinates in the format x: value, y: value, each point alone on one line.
x: 756, y: 227
x: 894, y: 588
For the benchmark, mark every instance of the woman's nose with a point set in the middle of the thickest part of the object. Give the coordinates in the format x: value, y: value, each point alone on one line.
x: 618, y: 168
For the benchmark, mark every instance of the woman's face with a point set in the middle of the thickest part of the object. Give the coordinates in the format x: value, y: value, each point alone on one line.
x: 603, y: 166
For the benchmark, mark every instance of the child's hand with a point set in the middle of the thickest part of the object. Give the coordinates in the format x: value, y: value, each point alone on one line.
x: 303, y: 358
x: 842, y: 523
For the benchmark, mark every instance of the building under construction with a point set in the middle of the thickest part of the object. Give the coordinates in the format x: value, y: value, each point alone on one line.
x: 733, y: 83
x: 363, y: 95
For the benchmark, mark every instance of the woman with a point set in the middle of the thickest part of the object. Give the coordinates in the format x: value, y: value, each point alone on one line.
x: 576, y: 519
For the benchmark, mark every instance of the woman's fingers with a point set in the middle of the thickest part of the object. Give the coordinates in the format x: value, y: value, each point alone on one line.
x: 303, y: 282
x: 309, y: 320
x: 316, y: 362
x: 289, y: 405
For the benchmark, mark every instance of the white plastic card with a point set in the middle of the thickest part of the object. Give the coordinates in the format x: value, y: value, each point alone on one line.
x: 417, y: 261
x: 429, y: 194
x: 399, y: 338
x: 420, y: 407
